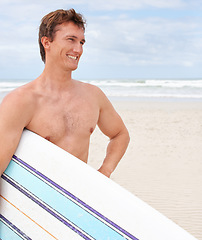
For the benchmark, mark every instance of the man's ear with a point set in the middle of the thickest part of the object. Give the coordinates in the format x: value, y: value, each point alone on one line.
x: 45, y: 42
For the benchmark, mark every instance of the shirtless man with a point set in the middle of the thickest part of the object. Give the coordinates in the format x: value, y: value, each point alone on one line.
x: 57, y: 107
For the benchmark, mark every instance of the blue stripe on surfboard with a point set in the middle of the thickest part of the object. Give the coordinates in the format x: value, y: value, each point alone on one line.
x: 44, y: 206
x: 80, y: 202
x: 71, y: 196
x: 72, y: 211
x: 91, y: 224
x: 9, y: 231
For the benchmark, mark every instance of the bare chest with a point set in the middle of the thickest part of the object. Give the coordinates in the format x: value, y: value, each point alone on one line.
x: 61, y: 121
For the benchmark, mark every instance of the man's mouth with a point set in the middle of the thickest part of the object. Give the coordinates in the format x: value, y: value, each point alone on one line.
x: 72, y: 57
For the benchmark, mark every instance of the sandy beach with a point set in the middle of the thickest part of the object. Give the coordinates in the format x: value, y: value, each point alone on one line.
x: 163, y: 164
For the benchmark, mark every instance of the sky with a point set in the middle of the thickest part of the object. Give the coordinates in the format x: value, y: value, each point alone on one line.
x: 125, y: 39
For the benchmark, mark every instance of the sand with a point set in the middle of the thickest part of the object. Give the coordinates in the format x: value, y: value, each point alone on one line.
x: 163, y: 163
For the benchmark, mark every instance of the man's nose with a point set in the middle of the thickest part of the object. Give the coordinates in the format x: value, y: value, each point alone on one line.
x: 78, y: 48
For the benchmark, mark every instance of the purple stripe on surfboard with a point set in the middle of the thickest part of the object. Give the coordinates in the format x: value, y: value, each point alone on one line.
x: 13, y: 227
x: 75, y: 198
x: 34, y: 199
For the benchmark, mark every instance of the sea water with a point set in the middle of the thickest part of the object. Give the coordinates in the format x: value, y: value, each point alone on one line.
x: 134, y: 88
x: 151, y: 88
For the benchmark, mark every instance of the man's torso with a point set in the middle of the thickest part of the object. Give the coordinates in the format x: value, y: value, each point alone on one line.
x: 66, y: 120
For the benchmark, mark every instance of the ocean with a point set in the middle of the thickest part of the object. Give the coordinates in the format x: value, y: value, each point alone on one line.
x: 161, y: 89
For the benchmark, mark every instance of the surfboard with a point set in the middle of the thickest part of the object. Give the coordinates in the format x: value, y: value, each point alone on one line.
x: 46, y: 193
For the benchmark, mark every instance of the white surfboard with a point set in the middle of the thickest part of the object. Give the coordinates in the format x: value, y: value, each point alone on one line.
x: 46, y: 193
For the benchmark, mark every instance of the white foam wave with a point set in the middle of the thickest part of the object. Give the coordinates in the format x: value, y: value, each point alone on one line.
x: 136, y: 88
x: 150, y: 83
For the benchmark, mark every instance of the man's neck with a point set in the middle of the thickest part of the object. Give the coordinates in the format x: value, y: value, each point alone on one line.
x: 56, y: 78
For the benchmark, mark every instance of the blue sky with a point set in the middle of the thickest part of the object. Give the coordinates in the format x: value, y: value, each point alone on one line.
x: 124, y: 39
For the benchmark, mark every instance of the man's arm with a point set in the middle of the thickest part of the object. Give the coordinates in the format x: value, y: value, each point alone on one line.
x: 111, y: 124
x: 13, y: 118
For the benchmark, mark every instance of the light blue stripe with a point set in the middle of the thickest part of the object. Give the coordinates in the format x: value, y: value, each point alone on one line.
x: 7, y: 234
x: 77, y: 215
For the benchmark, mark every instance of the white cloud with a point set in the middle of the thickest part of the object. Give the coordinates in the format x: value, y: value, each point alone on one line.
x: 34, y: 8
x: 133, y: 4
x: 152, y: 41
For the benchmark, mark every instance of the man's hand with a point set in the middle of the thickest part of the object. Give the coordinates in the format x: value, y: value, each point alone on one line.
x: 104, y: 171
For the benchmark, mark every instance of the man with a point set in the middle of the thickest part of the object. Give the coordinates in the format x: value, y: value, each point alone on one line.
x: 57, y: 107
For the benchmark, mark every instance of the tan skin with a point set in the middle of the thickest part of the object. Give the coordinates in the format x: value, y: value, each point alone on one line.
x: 60, y: 109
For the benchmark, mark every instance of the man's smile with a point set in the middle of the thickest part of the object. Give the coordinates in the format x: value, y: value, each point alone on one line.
x: 72, y: 57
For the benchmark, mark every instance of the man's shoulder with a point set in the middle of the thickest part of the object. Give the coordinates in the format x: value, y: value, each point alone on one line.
x: 20, y: 96
x: 96, y: 94
x: 18, y: 106
x: 91, y: 87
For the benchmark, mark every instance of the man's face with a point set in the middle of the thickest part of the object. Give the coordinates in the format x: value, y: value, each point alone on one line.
x: 67, y: 46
